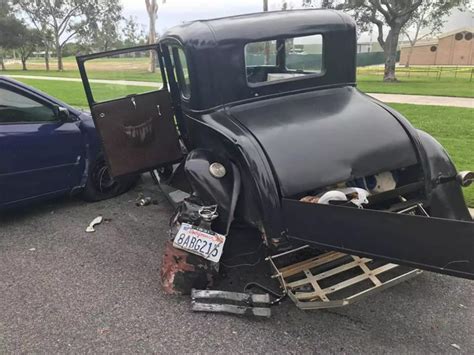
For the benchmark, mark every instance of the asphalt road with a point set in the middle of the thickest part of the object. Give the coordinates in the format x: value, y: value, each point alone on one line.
x: 65, y: 291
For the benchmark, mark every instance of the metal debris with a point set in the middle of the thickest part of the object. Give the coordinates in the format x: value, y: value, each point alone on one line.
x: 145, y: 201
x: 456, y: 346
x: 243, y: 303
x: 95, y: 221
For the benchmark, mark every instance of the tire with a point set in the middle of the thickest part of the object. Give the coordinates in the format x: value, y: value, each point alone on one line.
x: 101, y: 186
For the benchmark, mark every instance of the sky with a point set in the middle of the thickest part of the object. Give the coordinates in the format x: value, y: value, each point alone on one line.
x: 175, y: 12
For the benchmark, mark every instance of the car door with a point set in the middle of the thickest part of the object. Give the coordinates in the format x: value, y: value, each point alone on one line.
x: 40, y: 154
x: 408, y: 236
x: 132, y: 109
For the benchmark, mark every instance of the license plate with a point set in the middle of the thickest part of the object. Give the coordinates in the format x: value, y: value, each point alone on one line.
x: 202, y: 242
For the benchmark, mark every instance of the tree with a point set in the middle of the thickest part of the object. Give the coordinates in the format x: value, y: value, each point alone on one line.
x: 430, y: 16
x: 152, y: 10
x: 10, y: 35
x: 395, y: 14
x: 102, y: 28
x: 132, y: 35
x: 64, y: 18
x: 5, y: 13
x: 30, y: 40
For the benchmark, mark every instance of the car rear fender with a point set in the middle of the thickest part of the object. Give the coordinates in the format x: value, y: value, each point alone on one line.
x: 446, y: 199
x: 223, y: 191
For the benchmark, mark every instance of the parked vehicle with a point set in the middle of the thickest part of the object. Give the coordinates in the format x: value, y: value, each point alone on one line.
x: 48, y: 148
x: 259, y: 138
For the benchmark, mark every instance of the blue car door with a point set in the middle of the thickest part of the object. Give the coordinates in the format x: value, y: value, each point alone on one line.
x: 40, y: 154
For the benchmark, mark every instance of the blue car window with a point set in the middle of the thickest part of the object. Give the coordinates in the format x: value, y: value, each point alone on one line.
x: 16, y: 108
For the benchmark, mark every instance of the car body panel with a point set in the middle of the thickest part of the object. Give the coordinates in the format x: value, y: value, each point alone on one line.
x: 40, y: 160
x: 329, y: 136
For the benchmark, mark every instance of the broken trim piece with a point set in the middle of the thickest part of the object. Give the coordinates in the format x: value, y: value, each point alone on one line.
x: 247, y: 307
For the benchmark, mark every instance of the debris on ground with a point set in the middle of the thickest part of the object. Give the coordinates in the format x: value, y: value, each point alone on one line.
x: 95, y: 221
x: 231, y: 302
x: 145, y: 201
x: 456, y: 346
x: 32, y: 249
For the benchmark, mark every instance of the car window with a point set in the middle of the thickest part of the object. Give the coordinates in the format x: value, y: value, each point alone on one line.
x: 284, y: 59
x: 126, y: 74
x: 17, y: 108
x: 181, y: 71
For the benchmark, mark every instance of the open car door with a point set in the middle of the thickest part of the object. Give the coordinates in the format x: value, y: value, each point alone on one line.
x: 407, y: 236
x: 132, y: 109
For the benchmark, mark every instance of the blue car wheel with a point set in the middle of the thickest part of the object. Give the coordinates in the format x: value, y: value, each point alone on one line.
x: 100, y: 185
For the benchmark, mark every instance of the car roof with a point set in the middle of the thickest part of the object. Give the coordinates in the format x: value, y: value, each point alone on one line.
x: 215, y: 52
x: 261, y: 25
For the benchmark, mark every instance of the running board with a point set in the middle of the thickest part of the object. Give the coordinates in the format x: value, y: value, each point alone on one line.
x: 334, y: 279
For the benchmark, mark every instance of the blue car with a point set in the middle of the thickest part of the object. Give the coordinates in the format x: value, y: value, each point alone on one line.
x: 48, y: 149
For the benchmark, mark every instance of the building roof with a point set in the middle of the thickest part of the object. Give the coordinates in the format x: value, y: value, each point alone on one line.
x: 453, y: 32
x: 432, y: 42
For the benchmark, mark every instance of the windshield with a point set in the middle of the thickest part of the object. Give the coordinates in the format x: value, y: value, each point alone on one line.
x: 283, y: 59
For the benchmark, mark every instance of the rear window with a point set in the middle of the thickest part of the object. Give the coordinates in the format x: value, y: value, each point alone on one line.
x: 284, y: 59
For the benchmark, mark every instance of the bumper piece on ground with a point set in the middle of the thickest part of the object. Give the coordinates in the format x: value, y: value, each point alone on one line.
x: 231, y: 302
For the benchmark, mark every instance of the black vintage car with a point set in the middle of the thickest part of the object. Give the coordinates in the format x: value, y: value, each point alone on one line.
x: 259, y: 124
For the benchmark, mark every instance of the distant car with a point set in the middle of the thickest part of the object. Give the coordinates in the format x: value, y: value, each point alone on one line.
x: 48, y: 148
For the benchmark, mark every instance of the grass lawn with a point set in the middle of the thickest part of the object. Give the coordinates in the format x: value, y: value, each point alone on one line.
x: 73, y: 92
x: 129, y: 74
x: 461, y: 87
x: 451, y: 126
x: 454, y: 81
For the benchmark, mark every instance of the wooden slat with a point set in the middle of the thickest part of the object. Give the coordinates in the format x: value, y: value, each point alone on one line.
x: 344, y: 284
x: 326, y: 274
x: 310, y: 263
x: 316, y: 287
x: 367, y: 271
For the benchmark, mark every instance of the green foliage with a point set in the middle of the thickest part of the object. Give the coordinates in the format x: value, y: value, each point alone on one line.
x: 73, y: 92
x: 371, y: 58
x: 101, y: 30
x: 452, y: 127
x: 67, y: 19
x: 11, y: 31
x: 30, y: 40
x: 417, y: 85
x: 132, y: 35
x: 5, y: 8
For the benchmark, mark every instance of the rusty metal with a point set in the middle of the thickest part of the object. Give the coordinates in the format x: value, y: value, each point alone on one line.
x: 182, y: 271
